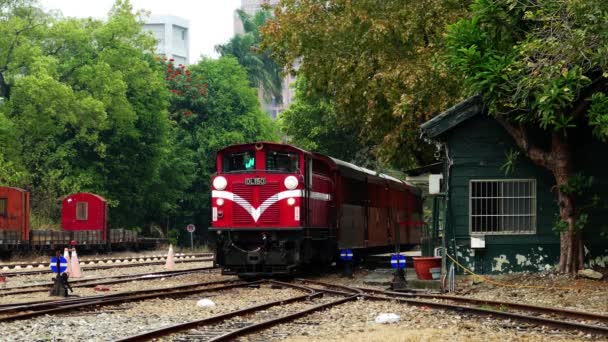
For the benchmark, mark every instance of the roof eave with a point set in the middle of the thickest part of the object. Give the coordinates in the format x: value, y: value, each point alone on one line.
x: 452, y: 117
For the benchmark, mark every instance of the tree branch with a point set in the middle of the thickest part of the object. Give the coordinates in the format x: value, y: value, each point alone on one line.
x: 581, y: 105
x: 535, y: 153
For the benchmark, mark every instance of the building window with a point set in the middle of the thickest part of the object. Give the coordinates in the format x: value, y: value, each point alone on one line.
x: 82, y: 211
x: 502, y: 206
x: 3, y: 206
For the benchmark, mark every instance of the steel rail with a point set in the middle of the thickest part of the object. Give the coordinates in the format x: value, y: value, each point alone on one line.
x: 500, y: 304
x: 85, y: 280
x: 176, y: 328
x: 115, y: 280
x: 103, y: 301
x: 55, y: 303
x: 275, y: 321
x: 103, y: 267
x: 594, y: 329
x: 45, y: 263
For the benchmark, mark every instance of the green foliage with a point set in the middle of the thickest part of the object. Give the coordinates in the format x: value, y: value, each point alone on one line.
x: 511, y: 157
x: 85, y: 106
x: 377, y: 61
x: 577, y: 185
x: 534, y: 61
x: 262, y: 71
x: 230, y: 114
x: 598, y: 115
x: 311, y: 123
x: 172, y: 236
x: 85, y: 109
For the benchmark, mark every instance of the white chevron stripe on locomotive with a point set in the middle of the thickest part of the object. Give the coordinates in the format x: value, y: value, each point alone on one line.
x: 257, y: 212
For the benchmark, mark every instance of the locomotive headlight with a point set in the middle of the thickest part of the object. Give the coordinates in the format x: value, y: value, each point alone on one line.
x: 220, y: 202
x: 219, y: 183
x: 291, y: 182
x: 291, y: 201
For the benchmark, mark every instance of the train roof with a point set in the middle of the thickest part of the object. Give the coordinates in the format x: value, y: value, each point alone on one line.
x: 351, y: 170
x: 87, y: 194
x: 13, y: 188
x: 346, y: 169
x: 265, y: 143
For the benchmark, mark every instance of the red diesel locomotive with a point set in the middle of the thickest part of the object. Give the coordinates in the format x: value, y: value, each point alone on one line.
x: 276, y: 208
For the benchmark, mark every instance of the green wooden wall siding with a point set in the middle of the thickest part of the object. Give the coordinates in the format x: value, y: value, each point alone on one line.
x: 478, y: 148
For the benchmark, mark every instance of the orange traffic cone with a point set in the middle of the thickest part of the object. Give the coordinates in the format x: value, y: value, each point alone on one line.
x: 75, y: 265
x: 66, y: 255
x: 170, y: 264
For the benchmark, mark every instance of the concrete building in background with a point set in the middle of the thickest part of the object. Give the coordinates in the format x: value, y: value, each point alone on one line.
x: 172, y: 35
x: 252, y: 6
x: 272, y: 107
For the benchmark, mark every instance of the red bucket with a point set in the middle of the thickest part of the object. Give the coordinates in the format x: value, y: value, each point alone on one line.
x: 423, y: 265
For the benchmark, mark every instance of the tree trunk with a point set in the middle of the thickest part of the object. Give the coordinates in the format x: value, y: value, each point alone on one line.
x: 562, y: 171
x: 559, y: 161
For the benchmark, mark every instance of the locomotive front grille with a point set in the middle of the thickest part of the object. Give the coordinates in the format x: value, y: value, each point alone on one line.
x: 244, y: 199
x: 271, y: 214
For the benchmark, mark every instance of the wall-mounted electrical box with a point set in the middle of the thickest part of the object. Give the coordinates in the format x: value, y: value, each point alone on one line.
x: 435, y: 184
x: 478, y: 242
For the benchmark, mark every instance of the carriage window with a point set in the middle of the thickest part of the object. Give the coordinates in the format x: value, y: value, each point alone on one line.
x: 282, y: 161
x: 238, y: 161
x: 2, y: 206
x: 82, y: 211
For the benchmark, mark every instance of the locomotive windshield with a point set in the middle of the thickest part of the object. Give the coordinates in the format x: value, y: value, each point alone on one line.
x: 281, y: 161
x: 238, y: 161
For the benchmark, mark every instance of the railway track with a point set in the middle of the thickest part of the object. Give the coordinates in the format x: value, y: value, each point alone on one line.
x: 315, y: 296
x: 228, y: 326
x: 109, y: 280
x: 92, y: 261
x: 20, y: 311
x: 565, y: 319
x: 89, y: 266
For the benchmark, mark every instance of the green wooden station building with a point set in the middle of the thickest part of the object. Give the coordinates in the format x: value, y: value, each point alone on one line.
x: 499, y: 222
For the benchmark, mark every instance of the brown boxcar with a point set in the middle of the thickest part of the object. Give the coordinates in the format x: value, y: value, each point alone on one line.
x: 14, y: 215
x: 84, y: 212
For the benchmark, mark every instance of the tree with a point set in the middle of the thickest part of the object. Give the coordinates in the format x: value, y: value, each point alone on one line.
x: 311, y: 123
x: 376, y: 60
x: 541, y: 66
x: 87, y: 109
x: 230, y: 113
x: 262, y: 71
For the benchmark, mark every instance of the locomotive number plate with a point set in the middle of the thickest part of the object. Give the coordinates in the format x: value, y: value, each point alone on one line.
x: 255, y: 181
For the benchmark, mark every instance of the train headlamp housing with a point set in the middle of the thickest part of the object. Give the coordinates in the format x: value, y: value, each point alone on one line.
x: 220, y: 202
x: 291, y: 201
x: 220, y: 183
x: 291, y: 182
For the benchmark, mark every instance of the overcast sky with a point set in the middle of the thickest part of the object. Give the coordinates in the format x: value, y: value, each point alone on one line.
x: 211, y: 21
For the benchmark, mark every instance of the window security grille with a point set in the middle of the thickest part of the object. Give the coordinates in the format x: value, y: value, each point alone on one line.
x: 502, y: 206
x: 82, y: 211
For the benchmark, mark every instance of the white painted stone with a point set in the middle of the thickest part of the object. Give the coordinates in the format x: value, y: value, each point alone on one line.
x: 385, y: 318
x: 205, y: 303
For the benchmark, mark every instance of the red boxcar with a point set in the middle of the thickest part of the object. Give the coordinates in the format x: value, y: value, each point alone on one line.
x: 86, y: 214
x: 14, y: 215
x: 276, y: 207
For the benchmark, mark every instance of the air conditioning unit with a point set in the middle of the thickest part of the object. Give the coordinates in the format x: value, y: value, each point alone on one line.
x: 435, y: 184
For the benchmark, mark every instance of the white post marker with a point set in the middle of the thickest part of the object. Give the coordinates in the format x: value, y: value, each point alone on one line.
x: 191, y: 228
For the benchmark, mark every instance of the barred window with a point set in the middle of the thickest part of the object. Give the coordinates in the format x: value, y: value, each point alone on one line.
x: 502, y: 206
x: 2, y: 206
x: 82, y: 211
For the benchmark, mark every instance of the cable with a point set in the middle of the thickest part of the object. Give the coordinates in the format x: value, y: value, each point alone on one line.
x: 503, y: 284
